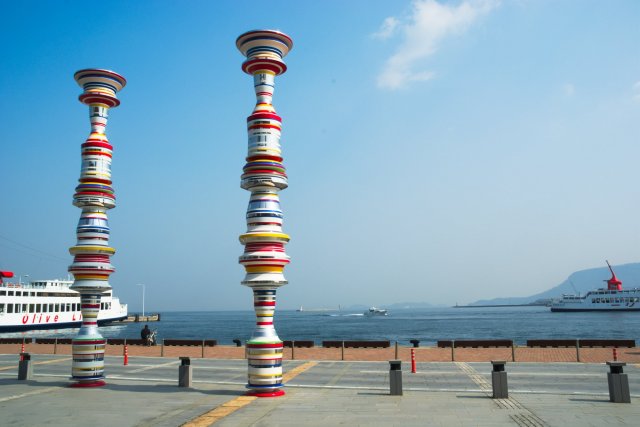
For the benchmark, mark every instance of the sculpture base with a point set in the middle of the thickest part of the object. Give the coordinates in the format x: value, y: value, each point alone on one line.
x: 276, y: 393
x: 86, y: 384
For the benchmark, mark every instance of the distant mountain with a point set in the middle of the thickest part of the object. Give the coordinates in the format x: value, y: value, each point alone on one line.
x: 578, y: 282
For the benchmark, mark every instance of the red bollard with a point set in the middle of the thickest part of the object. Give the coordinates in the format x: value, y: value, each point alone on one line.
x: 615, y: 354
x: 22, y: 351
x: 126, y: 356
x: 413, y: 361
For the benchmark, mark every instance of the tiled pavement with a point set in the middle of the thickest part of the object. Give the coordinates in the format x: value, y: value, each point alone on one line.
x: 145, y: 393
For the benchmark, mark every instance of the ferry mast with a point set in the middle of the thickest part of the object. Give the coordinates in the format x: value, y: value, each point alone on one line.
x: 91, y: 265
x: 613, y: 284
x: 264, y: 175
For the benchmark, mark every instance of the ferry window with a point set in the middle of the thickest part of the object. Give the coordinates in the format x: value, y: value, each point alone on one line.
x: 50, y: 308
x: 3, y: 293
x: 18, y: 308
x: 57, y: 307
x: 9, y: 308
x: 24, y: 308
x: 33, y: 294
x: 38, y: 308
x: 32, y: 308
x: 1, y: 308
x: 18, y: 293
x: 108, y: 306
x: 44, y: 308
x: 68, y: 306
x: 10, y: 293
x: 73, y: 307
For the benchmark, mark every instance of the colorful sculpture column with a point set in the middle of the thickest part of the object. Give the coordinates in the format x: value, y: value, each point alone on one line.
x: 91, y: 266
x: 264, y: 176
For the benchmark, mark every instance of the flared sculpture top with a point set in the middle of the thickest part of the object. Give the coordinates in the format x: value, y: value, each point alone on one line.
x: 100, y: 86
x: 264, y: 49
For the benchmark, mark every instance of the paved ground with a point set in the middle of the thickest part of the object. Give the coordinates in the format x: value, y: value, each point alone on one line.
x: 325, y: 393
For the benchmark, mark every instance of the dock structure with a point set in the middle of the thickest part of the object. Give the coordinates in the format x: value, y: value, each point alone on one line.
x: 142, y: 318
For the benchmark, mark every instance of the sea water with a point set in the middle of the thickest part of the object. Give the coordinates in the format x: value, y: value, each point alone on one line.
x: 427, y: 325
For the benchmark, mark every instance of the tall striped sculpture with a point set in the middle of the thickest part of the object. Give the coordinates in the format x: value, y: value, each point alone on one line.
x: 264, y: 176
x: 91, y: 265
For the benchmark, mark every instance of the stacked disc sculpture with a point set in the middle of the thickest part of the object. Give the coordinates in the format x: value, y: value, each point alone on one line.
x: 91, y: 265
x: 264, y: 176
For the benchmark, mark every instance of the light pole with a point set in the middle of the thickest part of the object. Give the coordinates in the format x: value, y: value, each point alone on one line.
x: 20, y: 278
x: 142, y: 284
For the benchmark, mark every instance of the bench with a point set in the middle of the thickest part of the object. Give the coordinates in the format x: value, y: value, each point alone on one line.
x: 13, y: 340
x: 298, y: 344
x: 356, y: 344
x: 123, y: 341
x: 53, y: 340
x: 607, y: 343
x: 475, y: 343
x: 552, y: 343
x: 199, y: 343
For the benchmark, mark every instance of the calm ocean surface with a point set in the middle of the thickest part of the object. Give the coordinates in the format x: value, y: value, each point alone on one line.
x: 428, y: 325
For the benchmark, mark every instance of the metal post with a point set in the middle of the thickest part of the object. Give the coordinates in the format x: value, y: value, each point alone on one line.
x: 203, y: 349
x: 396, y: 356
x: 577, y: 350
x: 185, y: 373
x: 162, y: 348
x: 618, y: 383
x: 453, y: 351
x: 342, y: 350
x: 395, y: 377
x: 513, y: 351
x: 25, y: 368
x: 499, y: 380
x: 293, y: 351
x: 55, y: 346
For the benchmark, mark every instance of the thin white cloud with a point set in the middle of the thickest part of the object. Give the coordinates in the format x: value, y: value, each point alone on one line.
x: 427, y: 26
x: 387, y: 29
x: 569, y: 89
x: 636, y: 90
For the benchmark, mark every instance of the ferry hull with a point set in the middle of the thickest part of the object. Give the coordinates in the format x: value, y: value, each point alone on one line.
x: 566, y: 309
x: 47, y: 326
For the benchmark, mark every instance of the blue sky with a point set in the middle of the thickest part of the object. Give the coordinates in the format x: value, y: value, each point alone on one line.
x: 436, y: 151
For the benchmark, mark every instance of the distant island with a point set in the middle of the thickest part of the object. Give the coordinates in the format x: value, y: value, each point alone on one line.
x: 579, y: 282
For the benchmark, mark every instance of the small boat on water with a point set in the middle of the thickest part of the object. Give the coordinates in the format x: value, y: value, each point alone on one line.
x: 373, y: 311
x: 613, y: 298
x: 49, y: 304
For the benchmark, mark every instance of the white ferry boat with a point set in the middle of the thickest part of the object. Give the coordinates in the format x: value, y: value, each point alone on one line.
x: 613, y: 298
x: 49, y: 304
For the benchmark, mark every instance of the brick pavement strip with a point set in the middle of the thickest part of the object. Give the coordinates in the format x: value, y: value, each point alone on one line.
x: 423, y: 354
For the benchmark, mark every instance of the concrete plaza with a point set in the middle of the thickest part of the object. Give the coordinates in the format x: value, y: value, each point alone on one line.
x: 145, y: 393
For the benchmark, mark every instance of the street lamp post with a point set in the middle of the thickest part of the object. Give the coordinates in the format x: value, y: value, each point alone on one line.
x: 142, y: 284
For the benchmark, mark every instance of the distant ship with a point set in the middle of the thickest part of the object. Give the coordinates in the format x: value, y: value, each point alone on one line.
x: 373, y: 311
x: 613, y: 298
x: 49, y: 304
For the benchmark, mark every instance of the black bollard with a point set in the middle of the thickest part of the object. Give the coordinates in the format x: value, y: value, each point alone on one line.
x: 185, y: 373
x: 25, y: 368
x: 237, y: 342
x: 416, y: 343
x: 618, y: 383
x: 395, y: 377
x: 499, y: 380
